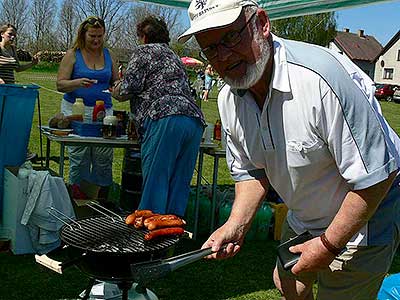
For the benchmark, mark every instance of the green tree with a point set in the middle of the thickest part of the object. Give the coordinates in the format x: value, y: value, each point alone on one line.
x: 317, y: 29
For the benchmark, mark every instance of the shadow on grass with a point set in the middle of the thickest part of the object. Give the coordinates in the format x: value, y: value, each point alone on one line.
x: 246, y: 276
x: 250, y: 271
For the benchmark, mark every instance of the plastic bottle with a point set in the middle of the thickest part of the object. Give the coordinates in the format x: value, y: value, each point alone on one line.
x: 99, y: 111
x: 217, y: 130
x: 78, y: 108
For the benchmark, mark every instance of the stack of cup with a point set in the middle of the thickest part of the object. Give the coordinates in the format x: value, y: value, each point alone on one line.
x: 223, y: 140
x: 208, y: 133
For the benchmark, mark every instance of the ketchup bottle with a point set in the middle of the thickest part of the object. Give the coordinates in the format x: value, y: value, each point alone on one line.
x: 217, y: 130
x: 99, y: 111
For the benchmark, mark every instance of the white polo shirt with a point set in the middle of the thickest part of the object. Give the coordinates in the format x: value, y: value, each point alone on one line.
x: 320, y: 134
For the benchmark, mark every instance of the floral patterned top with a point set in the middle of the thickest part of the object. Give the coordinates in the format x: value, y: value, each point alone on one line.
x: 156, y: 79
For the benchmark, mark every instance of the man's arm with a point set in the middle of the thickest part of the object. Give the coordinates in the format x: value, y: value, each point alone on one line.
x: 249, y: 195
x: 357, y: 208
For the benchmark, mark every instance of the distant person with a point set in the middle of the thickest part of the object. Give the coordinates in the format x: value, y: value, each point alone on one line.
x: 208, y: 82
x: 86, y: 71
x: 169, y: 123
x: 120, y: 71
x: 8, y: 55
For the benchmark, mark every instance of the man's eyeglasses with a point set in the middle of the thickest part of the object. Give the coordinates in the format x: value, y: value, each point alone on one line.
x: 230, y: 40
x: 94, y: 20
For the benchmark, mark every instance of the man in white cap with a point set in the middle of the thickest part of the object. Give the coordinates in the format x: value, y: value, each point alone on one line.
x: 304, y: 120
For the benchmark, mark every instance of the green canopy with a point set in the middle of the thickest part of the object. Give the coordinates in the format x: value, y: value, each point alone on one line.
x: 278, y: 9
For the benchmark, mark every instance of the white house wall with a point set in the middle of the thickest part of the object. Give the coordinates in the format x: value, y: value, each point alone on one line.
x: 391, y: 60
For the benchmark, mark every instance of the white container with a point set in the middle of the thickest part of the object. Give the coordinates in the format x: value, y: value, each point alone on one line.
x: 78, y: 108
x: 110, y: 120
x: 110, y: 127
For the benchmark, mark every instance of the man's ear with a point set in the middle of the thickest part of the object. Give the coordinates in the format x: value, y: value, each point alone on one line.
x: 264, y: 22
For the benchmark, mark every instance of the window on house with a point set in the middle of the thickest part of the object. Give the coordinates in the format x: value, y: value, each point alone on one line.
x: 388, y: 73
x: 398, y: 55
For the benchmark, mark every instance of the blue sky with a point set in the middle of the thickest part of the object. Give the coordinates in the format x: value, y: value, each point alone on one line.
x: 380, y: 20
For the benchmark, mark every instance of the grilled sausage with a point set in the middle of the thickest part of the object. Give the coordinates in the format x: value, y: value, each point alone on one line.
x: 129, y: 220
x: 150, y: 219
x: 163, y: 232
x: 143, y: 213
x: 138, y: 222
x: 163, y: 221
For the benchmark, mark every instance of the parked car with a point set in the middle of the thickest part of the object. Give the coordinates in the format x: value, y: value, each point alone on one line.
x: 385, y: 91
x: 396, y: 95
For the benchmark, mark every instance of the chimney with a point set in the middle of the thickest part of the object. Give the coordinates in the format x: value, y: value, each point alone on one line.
x: 361, y: 33
x: 346, y: 30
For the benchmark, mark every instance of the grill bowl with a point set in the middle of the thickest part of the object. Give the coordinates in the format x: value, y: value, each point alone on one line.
x: 107, y: 247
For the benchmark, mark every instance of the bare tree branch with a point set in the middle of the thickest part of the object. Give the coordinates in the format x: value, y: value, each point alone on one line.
x: 68, y: 23
x: 15, y: 12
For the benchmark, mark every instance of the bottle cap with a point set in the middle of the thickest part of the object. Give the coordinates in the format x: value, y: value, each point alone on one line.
x: 110, y: 120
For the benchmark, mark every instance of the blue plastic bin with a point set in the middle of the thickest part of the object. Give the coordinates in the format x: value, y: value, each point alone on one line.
x: 92, y: 129
x: 17, y: 104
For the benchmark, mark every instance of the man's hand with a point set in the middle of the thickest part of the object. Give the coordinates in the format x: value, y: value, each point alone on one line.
x: 314, y: 256
x: 2, y: 81
x: 231, y: 234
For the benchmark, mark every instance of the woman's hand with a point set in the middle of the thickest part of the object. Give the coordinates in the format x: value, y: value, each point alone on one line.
x: 86, y: 82
x: 2, y: 81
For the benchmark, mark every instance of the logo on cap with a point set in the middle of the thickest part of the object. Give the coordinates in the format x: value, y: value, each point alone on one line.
x: 200, y: 4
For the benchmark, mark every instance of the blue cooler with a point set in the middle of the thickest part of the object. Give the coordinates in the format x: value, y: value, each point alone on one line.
x: 17, y: 104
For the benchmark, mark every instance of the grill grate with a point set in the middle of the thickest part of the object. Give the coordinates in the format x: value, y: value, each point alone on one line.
x: 111, y: 235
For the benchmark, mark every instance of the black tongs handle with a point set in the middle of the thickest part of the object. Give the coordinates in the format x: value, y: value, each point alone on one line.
x: 156, y: 269
x: 187, y: 258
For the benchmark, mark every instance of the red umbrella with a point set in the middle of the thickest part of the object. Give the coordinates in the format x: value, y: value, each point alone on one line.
x: 191, y: 62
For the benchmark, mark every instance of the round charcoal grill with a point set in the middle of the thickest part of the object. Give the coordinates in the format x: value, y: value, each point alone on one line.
x: 107, y: 249
x: 112, y: 236
x: 104, y: 247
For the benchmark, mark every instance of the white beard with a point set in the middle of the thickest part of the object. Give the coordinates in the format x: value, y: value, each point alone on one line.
x: 254, y: 71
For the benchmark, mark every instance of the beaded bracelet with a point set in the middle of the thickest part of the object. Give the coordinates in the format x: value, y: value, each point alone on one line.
x: 331, y: 248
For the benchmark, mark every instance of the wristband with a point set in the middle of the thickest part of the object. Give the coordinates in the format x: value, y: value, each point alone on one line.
x: 331, y: 248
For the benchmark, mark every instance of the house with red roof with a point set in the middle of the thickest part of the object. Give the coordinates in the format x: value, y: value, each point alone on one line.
x: 362, y: 49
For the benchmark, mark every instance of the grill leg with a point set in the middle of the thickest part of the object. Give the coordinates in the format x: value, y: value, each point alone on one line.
x: 88, y: 289
x: 125, y: 286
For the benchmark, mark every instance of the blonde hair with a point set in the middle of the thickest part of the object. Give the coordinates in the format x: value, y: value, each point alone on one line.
x: 90, y: 22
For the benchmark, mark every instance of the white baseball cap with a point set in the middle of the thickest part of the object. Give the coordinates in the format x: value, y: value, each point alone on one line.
x: 208, y: 14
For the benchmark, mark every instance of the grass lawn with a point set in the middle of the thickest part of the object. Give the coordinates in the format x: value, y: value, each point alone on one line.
x: 247, y: 276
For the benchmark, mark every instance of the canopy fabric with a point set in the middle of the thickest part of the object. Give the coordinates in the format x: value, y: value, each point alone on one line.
x: 278, y: 9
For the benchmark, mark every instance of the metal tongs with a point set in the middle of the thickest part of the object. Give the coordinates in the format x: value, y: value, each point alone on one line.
x: 146, y: 271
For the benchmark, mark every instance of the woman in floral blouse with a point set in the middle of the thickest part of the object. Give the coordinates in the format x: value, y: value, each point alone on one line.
x: 169, y: 123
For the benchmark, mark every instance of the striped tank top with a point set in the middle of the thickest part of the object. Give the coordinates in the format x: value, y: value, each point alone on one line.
x: 8, y: 64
